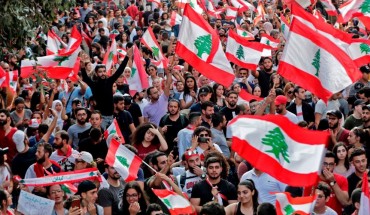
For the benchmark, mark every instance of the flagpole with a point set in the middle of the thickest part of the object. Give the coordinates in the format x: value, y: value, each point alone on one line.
x: 149, y: 166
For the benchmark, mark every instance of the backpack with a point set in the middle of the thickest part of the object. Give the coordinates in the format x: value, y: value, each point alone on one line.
x: 182, y: 119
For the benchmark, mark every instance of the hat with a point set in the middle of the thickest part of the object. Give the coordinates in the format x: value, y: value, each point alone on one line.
x: 335, y: 113
x: 366, y: 107
x: 76, y: 101
x: 190, y: 153
x: 358, y: 86
x: 281, y: 100
x: 34, y: 123
x: 85, y: 186
x: 18, y: 139
x: 204, y: 90
x: 85, y: 156
x: 3, y: 151
x: 358, y: 102
x: 365, y: 69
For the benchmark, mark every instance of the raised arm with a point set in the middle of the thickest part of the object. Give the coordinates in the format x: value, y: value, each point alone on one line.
x: 51, y: 127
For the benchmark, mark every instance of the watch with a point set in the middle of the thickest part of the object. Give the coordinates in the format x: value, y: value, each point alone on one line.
x: 332, y: 183
x: 203, y: 176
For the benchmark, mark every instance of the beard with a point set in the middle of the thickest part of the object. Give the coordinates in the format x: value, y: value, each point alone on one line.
x: 279, y: 111
x: 81, y: 122
x: 174, y: 113
x: 56, y: 146
x: 208, y: 116
x: 3, y: 122
x: 41, y: 160
x: 214, y: 177
x: 232, y: 104
x: 334, y: 126
x: 191, y: 169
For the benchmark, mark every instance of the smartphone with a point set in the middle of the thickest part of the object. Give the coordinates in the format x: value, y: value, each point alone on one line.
x: 76, y: 202
x: 175, y: 150
x: 202, y: 139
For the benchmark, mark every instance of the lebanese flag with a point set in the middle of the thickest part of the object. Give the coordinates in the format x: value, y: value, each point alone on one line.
x: 123, y: 160
x: 211, y: 10
x: 302, y: 3
x: 286, y: 204
x: 261, y: 10
x: 245, y: 34
x: 316, y: 13
x: 199, y: 45
x: 269, y: 41
x: 243, y: 53
x: 121, y: 53
x: 353, y: 8
x: 329, y: 7
x: 151, y: 43
x: 12, y: 80
x: 176, y: 19
x: 245, y: 96
x: 365, y: 197
x: 196, y: 7
x: 114, y: 129
x: 110, y: 57
x: 175, y: 203
x: 139, y: 79
x: 3, y: 81
x: 294, y: 154
x: 54, y: 44
x: 360, y: 51
x: 113, y: 34
x: 322, y: 68
x: 75, y: 40
x: 86, y: 37
x: 231, y: 12
x: 285, y: 26
x: 62, y: 178
x: 181, y: 3
x: 242, y: 5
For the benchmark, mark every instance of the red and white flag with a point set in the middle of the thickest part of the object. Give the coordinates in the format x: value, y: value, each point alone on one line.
x: 242, y: 5
x: 294, y: 154
x: 242, y: 52
x: 196, y: 6
x: 261, y: 10
x: 114, y: 129
x: 175, y: 203
x: 244, y: 33
x: 231, y: 13
x: 284, y: 26
x: 12, y: 80
x: 151, y: 43
x: 302, y: 3
x: 121, y: 53
x: 3, y: 81
x: 139, y: 79
x: 286, y: 204
x: 181, y: 3
x: 269, y: 41
x: 316, y: 13
x: 245, y: 96
x: 110, y: 57
x: 157, y: 2
x: 125, y: 162
x: 329, y: 7
x: 360, y: 51
x: 54, y: 44
x: 199, y: 45
x: 353, y: 8
x: 176, y: 18
x: 75, y: 40
x: 323, y: 68
x: 211, y: 10
x: 365, y: 196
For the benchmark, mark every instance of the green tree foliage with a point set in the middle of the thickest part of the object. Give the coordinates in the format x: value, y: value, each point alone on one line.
x: 240, y: 53
x: 276, y: 140
x: 203, y: 44
x: 365, y: 48
x: 316, y: 62
x: 22, y: 19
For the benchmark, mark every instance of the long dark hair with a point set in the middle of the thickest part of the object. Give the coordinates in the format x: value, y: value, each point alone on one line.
x: 251, y: 186
x: 214, y: 95
x: 125, y: 205
x: 335, y: 151
x: 186, y: 88
x: 139, y: 134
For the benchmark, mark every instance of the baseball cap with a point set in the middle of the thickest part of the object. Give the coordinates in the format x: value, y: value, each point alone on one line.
x: 85, y: 156
x: 85, y: 186
x: 281, y: 100
x: 204, y: 90
x: 76, y: 101
x: 365, y: 69
x: 34, y: 123
x: 18, y: 139
x: 335, y: 113
x: 190, y: 153
x: 358, y: 102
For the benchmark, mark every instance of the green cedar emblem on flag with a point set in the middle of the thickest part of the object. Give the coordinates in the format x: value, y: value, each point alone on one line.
x: 289, y: 210
x: 203, y: 44
x: 123, y: 161
x: 364, y: 48
x: 133, y: 71
x: 268, y: 42
x: 155, y: 51
x: 365, y: 7
x: 110, y: 56
x: 61, y: 59
x: 167, y: 203
x: 244, y: 34
x: 65, y: 189
x: 282, y: 27
x: 91, y: 174
x: 276, y: 140
x: 240, y: 52
x: 316, y: 62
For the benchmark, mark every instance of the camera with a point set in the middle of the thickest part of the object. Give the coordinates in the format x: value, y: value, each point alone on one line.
x: 202, y: 139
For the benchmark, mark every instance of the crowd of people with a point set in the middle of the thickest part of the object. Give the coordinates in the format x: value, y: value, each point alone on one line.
x: 178, y: 125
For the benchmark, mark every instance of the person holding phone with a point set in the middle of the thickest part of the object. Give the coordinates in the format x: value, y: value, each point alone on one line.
x: 202, y: 142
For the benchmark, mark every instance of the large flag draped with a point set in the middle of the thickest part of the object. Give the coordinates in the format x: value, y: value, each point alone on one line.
x: 125, y: 162
x: 54, y: 44
x: 323, y: 68
x: 242, y: 5
x: 365, y: 196
x: 243, y: 53
x: 114, y: 129
x: 354, y: 8
x: 175, y: 203
x: 110, y: 57
x: 139, y: 79
x: 151, y: 43
x: 199, y: 45
x: 293, y: 154
x: 286, y: 204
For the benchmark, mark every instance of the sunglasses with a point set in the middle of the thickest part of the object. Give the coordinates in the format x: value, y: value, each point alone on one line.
x: 203, y: 135
x: 191, y: 152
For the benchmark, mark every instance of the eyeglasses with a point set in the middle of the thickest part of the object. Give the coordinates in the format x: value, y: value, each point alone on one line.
x: 81, y: 114
x: 328, y: 164
x: 55, y: 192
x: 132, y: 195
x: 203, y: 135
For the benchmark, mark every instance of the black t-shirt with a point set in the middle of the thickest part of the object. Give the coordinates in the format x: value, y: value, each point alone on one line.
x: 124, y: 119
x: 135, y: 112
x: 353, y: 180
x: 99, y: 150
x: 173, y: 127
x: 264, y: 82
x: 230, y: 113
x: 203, y: 190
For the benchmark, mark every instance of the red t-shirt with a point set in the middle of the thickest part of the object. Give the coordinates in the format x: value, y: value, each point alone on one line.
x: 143, y: 151
x: 7, y: 141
